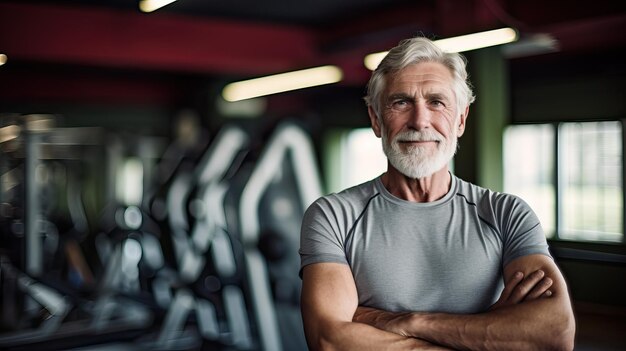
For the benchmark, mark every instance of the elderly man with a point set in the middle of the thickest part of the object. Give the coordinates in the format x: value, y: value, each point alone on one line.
x: 418, y: 258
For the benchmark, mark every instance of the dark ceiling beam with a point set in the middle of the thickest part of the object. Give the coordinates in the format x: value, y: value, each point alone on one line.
x: 383, y: 28
x: 27, y: 85
x: 114, y: 38
x: 540, y: 13
x: 376, y: 31
x: 589, y: 34
x: 462, y: 17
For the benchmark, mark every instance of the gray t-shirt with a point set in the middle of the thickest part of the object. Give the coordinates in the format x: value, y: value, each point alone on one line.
x: 441, y: 256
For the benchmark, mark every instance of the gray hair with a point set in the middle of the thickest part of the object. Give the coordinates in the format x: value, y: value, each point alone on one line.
x: 412, y: 51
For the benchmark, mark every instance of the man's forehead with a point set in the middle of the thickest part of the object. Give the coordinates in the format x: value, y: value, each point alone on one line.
x: 423, y: 72
x: 424, y: 83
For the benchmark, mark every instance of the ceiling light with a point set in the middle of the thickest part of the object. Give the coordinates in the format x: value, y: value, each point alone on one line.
x: 457, y: 44
x: 478, y: 40
x: 282, y: 82
x: 152, y: 5
x: 3, y: 59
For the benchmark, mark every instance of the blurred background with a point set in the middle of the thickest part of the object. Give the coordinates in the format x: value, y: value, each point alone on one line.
x: 144, y: 204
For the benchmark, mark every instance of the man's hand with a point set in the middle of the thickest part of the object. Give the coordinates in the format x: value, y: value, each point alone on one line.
x: 524, y: 288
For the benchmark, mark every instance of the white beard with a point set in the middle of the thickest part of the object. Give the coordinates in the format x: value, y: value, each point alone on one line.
x: 419, y: 161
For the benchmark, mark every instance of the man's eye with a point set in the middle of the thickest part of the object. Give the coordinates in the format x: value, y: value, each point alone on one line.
x: 400, y: 105
x: 437, y: 103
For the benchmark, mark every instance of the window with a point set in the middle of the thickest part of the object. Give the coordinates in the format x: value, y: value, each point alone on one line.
x: 355, y: 155
x: 571, y: 175
x: 529, y: 170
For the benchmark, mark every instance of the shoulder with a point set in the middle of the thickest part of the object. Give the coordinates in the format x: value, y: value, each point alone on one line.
x: 487, y: 199
x: 501, y: 210
x: 510, y: 216
x: 332, y: 215
x: 348, y: 200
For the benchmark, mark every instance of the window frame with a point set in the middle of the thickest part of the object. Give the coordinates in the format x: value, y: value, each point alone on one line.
x: 569, y: 247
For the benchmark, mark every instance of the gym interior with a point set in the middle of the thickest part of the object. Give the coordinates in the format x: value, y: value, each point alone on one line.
x: 142, y: 207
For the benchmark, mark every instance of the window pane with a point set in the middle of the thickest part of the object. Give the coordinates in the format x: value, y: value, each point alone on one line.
x: 362, y: 157
x: 352, y: 156
x: 590, y: 181
x: 529, y: 171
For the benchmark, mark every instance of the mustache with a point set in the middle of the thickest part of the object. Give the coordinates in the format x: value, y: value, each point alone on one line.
x: 414, y: 135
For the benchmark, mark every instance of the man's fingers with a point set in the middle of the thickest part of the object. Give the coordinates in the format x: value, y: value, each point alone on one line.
x: 511, y: 285
x: 523, y: 288
x: 506, y: 292
x: 540, y: 289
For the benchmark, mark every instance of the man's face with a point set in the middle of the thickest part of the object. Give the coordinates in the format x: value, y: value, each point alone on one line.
x: 420, y: 122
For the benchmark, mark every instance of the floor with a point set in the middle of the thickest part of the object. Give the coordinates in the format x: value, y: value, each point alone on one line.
x: 600, y: 328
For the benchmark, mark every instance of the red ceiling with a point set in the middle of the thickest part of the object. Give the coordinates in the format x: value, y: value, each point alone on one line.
x: 116, y: 39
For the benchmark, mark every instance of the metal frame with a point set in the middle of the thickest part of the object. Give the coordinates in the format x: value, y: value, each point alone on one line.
x: 291, y: 140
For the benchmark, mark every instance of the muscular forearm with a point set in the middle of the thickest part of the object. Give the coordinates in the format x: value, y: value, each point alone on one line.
x: 534, y: 325
x: 359, y: 336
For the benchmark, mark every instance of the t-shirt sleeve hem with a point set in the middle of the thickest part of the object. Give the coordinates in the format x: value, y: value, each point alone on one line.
x: 324, y: 258
x: 542, y: 250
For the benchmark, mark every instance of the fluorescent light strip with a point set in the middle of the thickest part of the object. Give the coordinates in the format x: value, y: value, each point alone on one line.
x: 153, y: 5
x: 282, y: 82
x: 478, y: 40
x: 458, y: 44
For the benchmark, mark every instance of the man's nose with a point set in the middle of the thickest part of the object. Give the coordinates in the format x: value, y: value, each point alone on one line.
x: 419, y: 118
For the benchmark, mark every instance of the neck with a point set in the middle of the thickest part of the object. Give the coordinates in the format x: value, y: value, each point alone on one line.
x: 426, y: 189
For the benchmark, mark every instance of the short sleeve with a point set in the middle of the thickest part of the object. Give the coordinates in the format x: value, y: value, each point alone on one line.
x: 321, y: 239
x: 521, y: 230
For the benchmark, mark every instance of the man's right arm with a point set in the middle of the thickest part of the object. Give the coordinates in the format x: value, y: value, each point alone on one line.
x: 329, y: 301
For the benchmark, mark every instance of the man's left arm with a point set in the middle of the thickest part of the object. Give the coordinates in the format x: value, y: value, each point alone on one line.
x: 536, y: 323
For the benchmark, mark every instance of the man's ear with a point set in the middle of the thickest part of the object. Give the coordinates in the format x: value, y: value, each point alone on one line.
x: 462, y: 119
x: 374, y: 121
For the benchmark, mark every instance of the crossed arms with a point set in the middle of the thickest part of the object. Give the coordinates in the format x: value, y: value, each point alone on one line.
x: 533, y: 312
